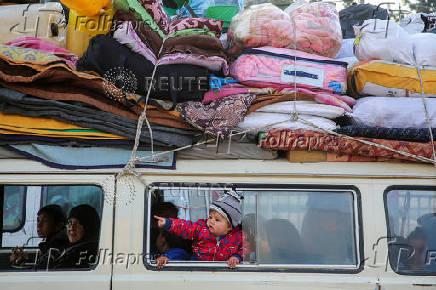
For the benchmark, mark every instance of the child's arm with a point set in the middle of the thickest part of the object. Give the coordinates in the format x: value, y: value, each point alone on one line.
x: 243, y: 252
x: 182, y: 228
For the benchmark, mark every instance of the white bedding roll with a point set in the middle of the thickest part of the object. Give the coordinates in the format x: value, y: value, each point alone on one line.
x: 304, y: 108
x: 260, y: 120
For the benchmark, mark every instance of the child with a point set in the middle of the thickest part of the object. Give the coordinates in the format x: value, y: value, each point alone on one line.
x: 51, y: 227
x: 219, y: 238
x: 171, y: 248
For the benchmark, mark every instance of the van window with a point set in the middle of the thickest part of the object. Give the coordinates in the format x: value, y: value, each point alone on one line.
x: 71, y: 196
x: 310, y: 228
x: 44, y: 240
x: 14, y: 207
x: 411, y: 218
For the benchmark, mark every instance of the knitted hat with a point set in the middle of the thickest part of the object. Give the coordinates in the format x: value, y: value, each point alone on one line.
x: 229, y: 206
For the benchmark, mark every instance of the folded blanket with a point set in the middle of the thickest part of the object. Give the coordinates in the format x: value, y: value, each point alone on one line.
x: 166, y: 126
x: 69, y: 157
x: 125, y: 34
x: 304, y: 108
x: 401, y: 134
x: 195, y: 44
x: 148, y: 36
x: 217, y: 118
x: 16, y: 124
x: 308, y: 140
x: 212, y: 63
x: 177, y: 82
x: 46, y: 76
x: 43, y: 45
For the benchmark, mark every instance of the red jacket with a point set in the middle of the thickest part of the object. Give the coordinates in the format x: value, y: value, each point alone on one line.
x: 206, y: 246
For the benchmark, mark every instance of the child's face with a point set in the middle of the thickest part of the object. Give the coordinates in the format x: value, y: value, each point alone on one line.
x: 45, y: 226
x: 217, y: 224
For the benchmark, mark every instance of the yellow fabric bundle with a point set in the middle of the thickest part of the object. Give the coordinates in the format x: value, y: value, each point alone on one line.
x: 401, y: 80
x: 16, y: 124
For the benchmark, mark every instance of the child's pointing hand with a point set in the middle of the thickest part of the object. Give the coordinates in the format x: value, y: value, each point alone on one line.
x: 160, y: 221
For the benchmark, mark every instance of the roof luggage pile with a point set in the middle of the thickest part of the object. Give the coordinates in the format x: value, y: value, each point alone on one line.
x: 276, y: 80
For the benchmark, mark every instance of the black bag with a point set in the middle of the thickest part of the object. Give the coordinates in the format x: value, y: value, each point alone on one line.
x: 356, y: 15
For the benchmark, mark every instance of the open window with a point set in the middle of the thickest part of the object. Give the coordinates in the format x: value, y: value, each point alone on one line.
x: 411, y: 219
x: 44, y: 239
x: 312, y: 228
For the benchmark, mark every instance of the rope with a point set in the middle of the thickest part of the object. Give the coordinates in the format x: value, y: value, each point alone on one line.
x: 129, y: 169
x: 144, y: 114
x: 421, y: 158
x: 295, y: 112
x: 139, y: 159
x: 427, y: 117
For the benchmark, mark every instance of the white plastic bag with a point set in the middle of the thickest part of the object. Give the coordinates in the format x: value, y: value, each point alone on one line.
x: 347, y: 49
x: 424, y: 48
x: 378, y: 39
x: 413, y: 23
x: 394, y: 112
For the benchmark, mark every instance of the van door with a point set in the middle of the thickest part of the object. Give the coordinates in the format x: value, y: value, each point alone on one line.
x: 21, y: 196
x: 411, y: 246
x: 332, y: 267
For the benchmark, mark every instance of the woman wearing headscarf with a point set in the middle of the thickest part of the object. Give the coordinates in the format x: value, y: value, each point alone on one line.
x: 83, y: 227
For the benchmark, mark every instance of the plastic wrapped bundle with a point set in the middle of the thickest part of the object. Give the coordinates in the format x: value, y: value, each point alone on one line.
x: 317, y: 28
x: 383, y: 39
x: 276, y: 67
x: 260, y: 25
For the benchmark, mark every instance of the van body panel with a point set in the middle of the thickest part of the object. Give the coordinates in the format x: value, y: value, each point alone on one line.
x: 122, y: 266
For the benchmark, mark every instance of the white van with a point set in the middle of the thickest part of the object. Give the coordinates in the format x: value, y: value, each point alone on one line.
x: 309, y: 225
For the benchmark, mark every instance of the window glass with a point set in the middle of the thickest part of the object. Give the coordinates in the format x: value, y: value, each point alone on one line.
x: 69, y: 196
x: 301, y: 227
x: 14, y: 208
x: 59, y: 229
x: 290, y: 227
x: 412, y: 230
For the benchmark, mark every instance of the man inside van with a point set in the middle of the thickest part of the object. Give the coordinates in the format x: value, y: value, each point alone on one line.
x: 51, y: 227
